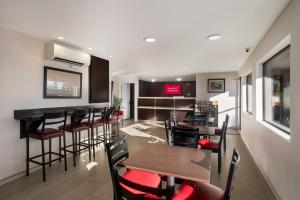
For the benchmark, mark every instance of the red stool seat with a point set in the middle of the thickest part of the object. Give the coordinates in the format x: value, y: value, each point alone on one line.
x: 208, y: 144
x: 79, y: 127
x: 48, y: 133
x: 96, y: 123
x: 198, y: 191
x: 142, y: 178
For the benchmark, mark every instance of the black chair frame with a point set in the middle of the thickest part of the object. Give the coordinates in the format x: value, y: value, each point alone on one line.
x: 117, y: 152
x: 80, y: 116
x: 53, y: 116
x: 232, y: 174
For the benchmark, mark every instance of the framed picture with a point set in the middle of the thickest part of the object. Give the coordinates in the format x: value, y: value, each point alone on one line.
x: 62, y: 84
x: 216, y: 85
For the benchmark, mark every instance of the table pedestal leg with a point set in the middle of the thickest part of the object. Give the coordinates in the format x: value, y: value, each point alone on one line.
x: 170, y: 186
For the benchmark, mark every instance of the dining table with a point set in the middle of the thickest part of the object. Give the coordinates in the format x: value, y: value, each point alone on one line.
x: 172, y: 161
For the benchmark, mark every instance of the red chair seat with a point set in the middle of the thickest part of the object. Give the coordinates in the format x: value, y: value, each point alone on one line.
x: 208, y: 144
x: 198, y: 191
x: 48, y: 133
x: 142, y: 178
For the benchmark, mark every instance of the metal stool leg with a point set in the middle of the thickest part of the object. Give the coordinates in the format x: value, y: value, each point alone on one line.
x: 43, y: 160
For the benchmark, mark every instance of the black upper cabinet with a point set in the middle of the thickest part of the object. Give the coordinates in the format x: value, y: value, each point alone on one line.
x: 98, y: 80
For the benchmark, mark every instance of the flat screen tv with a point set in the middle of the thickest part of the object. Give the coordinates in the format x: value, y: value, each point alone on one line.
x: 173, y: 89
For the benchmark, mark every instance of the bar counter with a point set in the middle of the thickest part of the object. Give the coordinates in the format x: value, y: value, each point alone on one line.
x: 30, y: 119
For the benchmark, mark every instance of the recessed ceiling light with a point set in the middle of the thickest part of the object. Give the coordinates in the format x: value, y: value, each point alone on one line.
x: 110, y: 56
x: 214, y: 37
x: 178, y: 79
x: 150, y: 39
x: 90, y: 48
x: 153, y: 80
x: 60, y: 37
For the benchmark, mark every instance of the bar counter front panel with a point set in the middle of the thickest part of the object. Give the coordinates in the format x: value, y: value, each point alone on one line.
x: 161, y: 108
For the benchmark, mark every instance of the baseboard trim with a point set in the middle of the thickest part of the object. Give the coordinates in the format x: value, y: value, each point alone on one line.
x: 261, y: 170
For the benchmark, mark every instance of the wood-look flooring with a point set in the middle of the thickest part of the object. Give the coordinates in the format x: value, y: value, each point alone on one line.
x: 85, y: 183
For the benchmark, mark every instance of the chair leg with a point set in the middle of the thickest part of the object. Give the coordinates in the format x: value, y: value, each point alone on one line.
x: 27, y: 156
x: 219, y: 162
x: 50, y: 152
x: 93, y: 143
x: 65, y: 152
x: 89, y: 144
x: 79, y: 141
x: 74, y: 150
x: 59, y: 141
x: 97, y: 135
x: 43, y: 160
x: 224, y: 145
x: 75, y: 140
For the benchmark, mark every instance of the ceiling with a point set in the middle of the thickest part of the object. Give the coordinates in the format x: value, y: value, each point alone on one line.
x: 118, y: 28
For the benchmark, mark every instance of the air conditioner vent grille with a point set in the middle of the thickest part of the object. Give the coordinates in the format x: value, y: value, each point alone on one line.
x: 73, y: 63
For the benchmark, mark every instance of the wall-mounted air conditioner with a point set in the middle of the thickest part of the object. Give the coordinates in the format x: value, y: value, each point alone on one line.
x: 67, y: 55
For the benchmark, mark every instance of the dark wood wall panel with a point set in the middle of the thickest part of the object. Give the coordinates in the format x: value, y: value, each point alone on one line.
x: 144, y: 89
x: 146, y: 114
x: 162, y: 115
x: 184, y: 102
x: 146, y: 102
x: 165, y: 102
x: 156, y: 89
x: 98, y: 80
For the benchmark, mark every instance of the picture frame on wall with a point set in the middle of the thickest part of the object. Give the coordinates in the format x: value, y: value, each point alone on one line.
x: 62, y: 84
x: 216, y: 85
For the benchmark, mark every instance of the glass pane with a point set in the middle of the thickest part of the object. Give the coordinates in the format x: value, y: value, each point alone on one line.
x: 277, y: 90
x: 249, y: 93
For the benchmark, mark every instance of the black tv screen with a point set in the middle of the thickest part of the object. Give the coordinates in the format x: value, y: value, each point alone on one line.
x: 98, y: 80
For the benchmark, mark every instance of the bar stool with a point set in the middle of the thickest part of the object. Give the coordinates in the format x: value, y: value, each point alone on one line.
x: 111, y: 117
x: 49, y: 118
x: 96, y: 122
x: 76, y: 127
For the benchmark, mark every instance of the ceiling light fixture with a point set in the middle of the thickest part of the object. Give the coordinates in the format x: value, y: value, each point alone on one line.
x: 150, y: 39
x: 178, y: 79
x: 153, y: 80
x: 90, y: 48
x: 60, y: 37
x: 214, y: 37
x: 110, y: 56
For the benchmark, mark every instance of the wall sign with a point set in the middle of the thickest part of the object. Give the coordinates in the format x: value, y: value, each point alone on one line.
x: 173, y: 89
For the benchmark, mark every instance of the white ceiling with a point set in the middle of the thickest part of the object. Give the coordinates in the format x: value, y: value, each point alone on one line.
x: 118, y: 27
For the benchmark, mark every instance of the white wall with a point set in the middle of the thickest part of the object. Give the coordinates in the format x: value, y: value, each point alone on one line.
x: 277, y: 154
x: 227, y: 101
x: 21, y: 87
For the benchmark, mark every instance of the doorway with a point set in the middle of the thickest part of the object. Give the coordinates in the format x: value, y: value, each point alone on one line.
x: 127, y: 94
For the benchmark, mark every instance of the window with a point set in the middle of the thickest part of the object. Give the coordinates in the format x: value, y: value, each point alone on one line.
x: 276, y: 81
x: 249, y: 92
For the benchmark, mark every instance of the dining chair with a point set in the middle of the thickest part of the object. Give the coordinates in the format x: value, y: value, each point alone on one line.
x: 47, y: 133
x: 218, y: 132
x: 214, y: 145
x: 186, y: 137
x: 191, y: 190
x: 76, y: 126
x: 133, y: 184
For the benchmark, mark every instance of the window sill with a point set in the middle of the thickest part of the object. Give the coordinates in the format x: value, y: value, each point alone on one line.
x: 276, y: 130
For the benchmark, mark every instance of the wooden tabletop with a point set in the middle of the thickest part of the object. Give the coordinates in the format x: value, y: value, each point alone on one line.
x: 181, y: 162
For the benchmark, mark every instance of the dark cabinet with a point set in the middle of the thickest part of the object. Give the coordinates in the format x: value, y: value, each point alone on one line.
x: 98, y: 80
